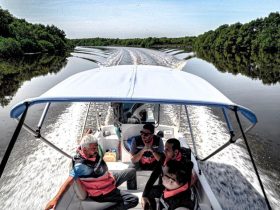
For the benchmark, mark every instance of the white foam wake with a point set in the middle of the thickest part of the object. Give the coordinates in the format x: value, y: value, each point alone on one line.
x: 38, y: 176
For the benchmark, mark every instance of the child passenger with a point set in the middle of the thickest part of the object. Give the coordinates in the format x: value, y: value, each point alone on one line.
x: 176, y: 179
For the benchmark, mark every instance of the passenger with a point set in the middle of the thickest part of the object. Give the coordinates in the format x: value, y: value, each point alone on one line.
x: 91, y: 172
x: 143, y: 115
x: 176, y: 179
x: 172, y: 151
x: 146, y: 149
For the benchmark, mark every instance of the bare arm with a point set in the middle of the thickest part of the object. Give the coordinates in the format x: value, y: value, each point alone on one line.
x: 136, y: 157
x: 157, y: 155
x: 60, y: 193
x: 154, y: 176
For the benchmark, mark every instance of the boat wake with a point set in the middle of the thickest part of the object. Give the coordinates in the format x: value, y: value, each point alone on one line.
x: 129, y: 56
x: 35, y: 171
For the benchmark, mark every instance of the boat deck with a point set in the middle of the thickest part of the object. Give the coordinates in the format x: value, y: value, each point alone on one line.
x: 142, y: 178
x: 70, y: 200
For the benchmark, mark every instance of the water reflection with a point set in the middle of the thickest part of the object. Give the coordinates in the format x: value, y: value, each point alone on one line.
x: 14, y: 72
x: 258, y: 66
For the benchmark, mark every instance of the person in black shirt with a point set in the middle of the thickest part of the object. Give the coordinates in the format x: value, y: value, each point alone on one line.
x: 176, y: 180
x: 172, y: 151
x: 146, y: 149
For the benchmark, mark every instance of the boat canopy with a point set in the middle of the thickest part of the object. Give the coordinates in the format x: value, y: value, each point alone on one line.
x: 135, y: 84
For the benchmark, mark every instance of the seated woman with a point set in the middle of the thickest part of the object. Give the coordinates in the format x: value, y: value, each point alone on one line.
x: 176, y: 179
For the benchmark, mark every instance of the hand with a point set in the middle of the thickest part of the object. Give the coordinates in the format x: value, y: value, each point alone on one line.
x: 145, y: 201
x: 88, y: 131
x: 147, y: 149
x: 51, y: 205
x: 148, y: 146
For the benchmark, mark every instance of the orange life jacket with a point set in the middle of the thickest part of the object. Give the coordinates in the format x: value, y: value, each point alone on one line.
x: 170, y: 193
x: 147, y: 158
x: 100, y: 181
x: 99, y: 186
x: 173, y: 199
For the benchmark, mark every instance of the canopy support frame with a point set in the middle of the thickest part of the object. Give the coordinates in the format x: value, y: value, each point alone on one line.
x: 230, y: 141
x: 84, y: 124
x: 251, y: 157
x: 192, y: 136
x: 13, y: 140
x: 30, y: 130
x: 42, y: 119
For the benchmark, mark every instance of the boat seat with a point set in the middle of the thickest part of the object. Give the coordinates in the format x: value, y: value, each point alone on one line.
x: 76, y: 198
x: 203, y: 206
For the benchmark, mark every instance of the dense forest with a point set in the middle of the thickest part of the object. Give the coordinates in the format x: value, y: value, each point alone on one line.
x: 262, y: 34
x: 18, y: 37
x: 182, y: 42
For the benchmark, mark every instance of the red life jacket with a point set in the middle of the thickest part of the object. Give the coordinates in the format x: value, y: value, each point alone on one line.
x: 170, y: 193
x: 177, y: 158
x: 173, y: 199
x: 98, y: 183
x: 147, y: 158
x: 99, y: 186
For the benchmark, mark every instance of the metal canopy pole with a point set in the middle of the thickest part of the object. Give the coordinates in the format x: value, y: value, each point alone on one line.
x: 179, y: 121
x: 30, y: 130
x: 84, y: 125
x: 231, y: 140
x: 252, y: 159
x: 158, y: 122
x: 13, y: 140
x: 226, y: 144
x: 98, y: 125
x: 194, y: 146
x: 43, y: 116
x: 228, y: 123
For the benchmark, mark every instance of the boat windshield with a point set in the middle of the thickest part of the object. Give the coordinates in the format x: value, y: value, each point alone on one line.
x: 134, y: 113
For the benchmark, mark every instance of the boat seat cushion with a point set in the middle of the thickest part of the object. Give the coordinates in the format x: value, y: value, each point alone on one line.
x: 71, y: 200
x: 79, y: 190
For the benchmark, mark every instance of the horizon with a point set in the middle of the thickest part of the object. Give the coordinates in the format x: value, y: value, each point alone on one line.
x: 138, y: 19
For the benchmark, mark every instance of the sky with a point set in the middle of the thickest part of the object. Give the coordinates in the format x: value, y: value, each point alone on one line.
x: 138, y: 18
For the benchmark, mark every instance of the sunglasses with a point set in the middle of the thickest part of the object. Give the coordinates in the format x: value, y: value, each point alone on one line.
x: 145, y: 134
x: 169, y: 178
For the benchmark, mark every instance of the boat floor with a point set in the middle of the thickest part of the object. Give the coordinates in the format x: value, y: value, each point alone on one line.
x: 142, y: 178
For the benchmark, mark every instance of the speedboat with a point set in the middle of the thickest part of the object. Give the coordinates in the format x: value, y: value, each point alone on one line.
x: 136, y: 94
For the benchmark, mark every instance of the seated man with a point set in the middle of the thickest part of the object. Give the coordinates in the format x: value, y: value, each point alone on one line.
x: 176, y: 180
x: 91, y: 172
x: 146, y: 149
x: 172, y: 151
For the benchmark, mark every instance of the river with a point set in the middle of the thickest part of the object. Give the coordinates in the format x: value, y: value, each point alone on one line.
x: 32, y: 177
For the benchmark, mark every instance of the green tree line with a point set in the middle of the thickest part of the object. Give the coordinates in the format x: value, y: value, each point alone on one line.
x: 260, y: 35
x: 182, y: 42
x: 18, y: 37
